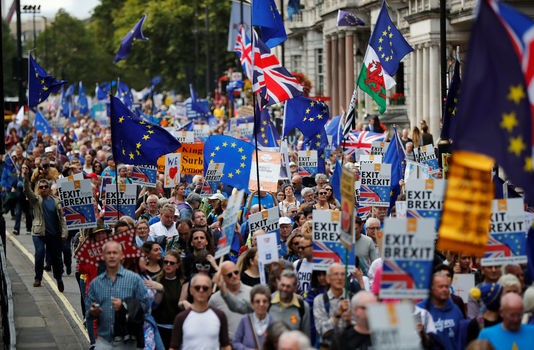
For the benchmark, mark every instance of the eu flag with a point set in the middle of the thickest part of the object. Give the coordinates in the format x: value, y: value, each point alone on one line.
x: 266, y: 132
x: 318, y: 142
x: 102, y: 90
x: 40, y: 84
x: 450, y: 106
x: 494, y: 115
x: 265, y: 15
x: 124, y: 94
x: 133, y: 35
x: 334, y: 128
x: 195, y: 104
x: 396, y: 157
x: 236, y: 156
x: 305, y: 114
x: 41, y: 124
x: 335, y: 180
x: 83, y: 104
x: 293, y: 6
x: 135, y: 141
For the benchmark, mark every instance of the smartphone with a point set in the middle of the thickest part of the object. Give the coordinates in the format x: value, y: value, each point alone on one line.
x: 357, y: 262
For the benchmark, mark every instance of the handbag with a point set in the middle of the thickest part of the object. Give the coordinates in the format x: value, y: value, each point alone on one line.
x: 256, y: 340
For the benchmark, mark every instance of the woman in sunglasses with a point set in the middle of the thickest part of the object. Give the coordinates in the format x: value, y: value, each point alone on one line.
x: 330, y: 196
x: 171, y: 278
x: 322, y: 200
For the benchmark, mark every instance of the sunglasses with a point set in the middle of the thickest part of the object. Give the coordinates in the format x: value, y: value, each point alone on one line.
x: 201, y: 288
x: 233, y: 273
x: 203, y: 266
x: 322, y: 193
x: 43, y: 187
x: 328, y: 189
x: 304, y: 247
x: 167, y: 262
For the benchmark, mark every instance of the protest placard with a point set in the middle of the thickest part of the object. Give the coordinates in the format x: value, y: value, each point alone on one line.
x: 120, y: 200
x: 507, y: 241
x: 144, y: 175
x: 201, y: 131
x: 427, y: 155
x: 266, y: 220
x: 378, y: 148
x: 393, y: 326
x: 172, y: 170
x: 327, y: 247
x: 192, y: 162
x: 230, y: 217
x: 375, y: 185
x: 267, y: 252
x: 424, y: 199
x: 91, y: 251
x: 407, y: 252
x: 347, y: 208
x: 415, y: 171
x: 307, y: 162
x: 269, y: 168
x: 78, y: 204
x: 462, y: 284
x: 184, y: 136
x: 370, y: 158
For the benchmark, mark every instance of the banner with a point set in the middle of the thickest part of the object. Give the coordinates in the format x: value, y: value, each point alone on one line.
x: 426, y: 155
x: 266, y: 220
x: 408, y: 253
x: 185, y: 137
x: 308, y: 161
x: 231, y: 215
x: 78, y: 203
x: 267, y: 252
x: 375, y: 185
x: 393, y: 326
x: 507, y: 241
x: 144, y: 175
x: 269, y: 167
x: 327, y: 247
x: 379, y: 148
x: 172, y: 170
x: 462, y: 284
x: 347, y: 208
x: 213, y: 175
x: 192, y: 162
x: 91, y: 252
x: 201, y: 131
x: 370, y: 158
x: 424, y: 199
x: 119, y: 203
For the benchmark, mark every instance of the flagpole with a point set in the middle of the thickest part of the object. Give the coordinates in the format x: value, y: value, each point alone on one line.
x: 255, y: 118
x: 117, y: 203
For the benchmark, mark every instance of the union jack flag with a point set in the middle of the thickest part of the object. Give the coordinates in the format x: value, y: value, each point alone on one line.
x: 111, y: 214
x: 361, y: 142
x: 73, y: 217
x: 271, y: 80
x: 144, y: 175
x: 496, y: 249
x: 243, y: 48
x: 366, y: 202
x: 324, y: 255
x: 394, y: 277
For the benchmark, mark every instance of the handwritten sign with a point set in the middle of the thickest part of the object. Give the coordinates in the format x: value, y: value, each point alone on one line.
x: 172, y: 170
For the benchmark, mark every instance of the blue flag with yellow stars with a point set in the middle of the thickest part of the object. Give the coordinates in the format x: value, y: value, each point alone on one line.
x: 396, y: 157
x: 40, y: 84
x: 136, y: 33
x: 124, y: 94
x: 494, y: 113
x: 305, y: 114
x: 135, y: 141
x: 318, y: 142
x: 83, y: 104
x: 450, y: 104
x: 265, y: 130
x: 41, y: 124
x: 236, y: 156
x: 266, y: 16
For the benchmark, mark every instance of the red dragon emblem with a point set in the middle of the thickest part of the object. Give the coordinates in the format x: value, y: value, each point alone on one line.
x: 375, y: 78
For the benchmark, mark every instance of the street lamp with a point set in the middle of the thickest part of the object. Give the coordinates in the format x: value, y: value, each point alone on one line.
x: 45, y: 40
x: 33, y: 9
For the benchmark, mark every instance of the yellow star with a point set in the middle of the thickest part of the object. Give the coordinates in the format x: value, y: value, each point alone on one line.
x: 233, y: 145
x: 146, y: 137
x: 317, y: 144
x: 307, y: 110
x: 138, y: 145
x: 212, y: 154
x: 389, y: 28
x: 508, y: 121
x: 142, y: 122
x: 304, y: 119
x: 123, y: 152
x: 217, y: 148
x: 383, y: 55
x: 121, y: 119
x: 242, y: 165
x: 132, y: 156
x: 150, y: 131
x: 528, y: 165
x: 42, y: 81
x: 380, y: 40
x: 211, y: 161
x: 138, y: 153
x: 149, y: 126
x: 311, y: 119
x: 263, y: 136
x: 224, y: 144
x: 45, y: 88
x: 262, y: 129
x: 387, y: 59
x: 238, y: 171
x: 240, y: 149
x: 243, y: 157
x: 312, y: 103
x: 230, y: 175
x: 384, y: 33
x: 516, y: 145
x: 516, y: 93
x: 380, y: 48
x: 390, y: 35
x: 265, y: 122
x: 319, y: 116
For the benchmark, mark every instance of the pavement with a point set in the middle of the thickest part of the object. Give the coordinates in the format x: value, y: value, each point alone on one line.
x: 44, y: 317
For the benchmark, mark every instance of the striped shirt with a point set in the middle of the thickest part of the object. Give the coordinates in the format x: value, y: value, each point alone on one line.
x: 102, y: 290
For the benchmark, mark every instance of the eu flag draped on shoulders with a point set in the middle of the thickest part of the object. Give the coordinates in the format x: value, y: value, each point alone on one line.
x: 494, y: 106
x: 136, y: 33
x: 236, y: 156
x: 305, y: 114
x: 135, y: 141
x: 40, y: 84
x: 396, y: 157
x: 386, y: 48
x: 265, y: 15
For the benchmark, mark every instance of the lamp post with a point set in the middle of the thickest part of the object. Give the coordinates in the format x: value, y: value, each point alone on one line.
x: 45, y: 40
x: 33, y: 9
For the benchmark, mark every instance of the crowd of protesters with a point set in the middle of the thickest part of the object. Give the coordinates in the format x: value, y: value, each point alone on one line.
x: 178, y: 296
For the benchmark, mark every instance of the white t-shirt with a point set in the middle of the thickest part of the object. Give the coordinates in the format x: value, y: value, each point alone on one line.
x: 201, y: 331
x: 158, y: 229
x: 303, y: 275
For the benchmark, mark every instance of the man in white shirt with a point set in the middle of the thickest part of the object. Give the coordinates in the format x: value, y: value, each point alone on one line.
x: 166, y: 226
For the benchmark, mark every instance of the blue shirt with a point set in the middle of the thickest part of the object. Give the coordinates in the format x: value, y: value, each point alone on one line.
x: 503, y: 339
x: 102, y: 290
x: 446, y: 320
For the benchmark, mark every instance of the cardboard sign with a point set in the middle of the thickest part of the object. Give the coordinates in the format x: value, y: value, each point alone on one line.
x: 308, y: 161
x: 267, y: 252
x: 379, y: 148
x: 91, y: 252
x: 407, y: 252
x: 370, y: 158
x: 462, y: 284
x: 266, y: 220
x: 424, y: 199
x: 230, y: 215
x: 144, y: 175
x: 78, y: 203
x: 393, y: 326
x: 426, y: 155
x: 269, y: 168
x: 327, y: 247
x: 375, y: 184
x: 201, y: 131
x: 416, y: 171
x: 172, y: 170
x: 120, y: 200
x: 507, y: 241
x: 184, y: 136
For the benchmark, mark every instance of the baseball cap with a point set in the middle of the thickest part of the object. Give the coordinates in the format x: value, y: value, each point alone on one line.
x: 284, y: 220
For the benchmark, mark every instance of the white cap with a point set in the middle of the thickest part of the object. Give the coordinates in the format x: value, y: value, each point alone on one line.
x: 284, y: 220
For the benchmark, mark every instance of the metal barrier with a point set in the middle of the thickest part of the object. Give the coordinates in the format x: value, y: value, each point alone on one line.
x: 9, y: 335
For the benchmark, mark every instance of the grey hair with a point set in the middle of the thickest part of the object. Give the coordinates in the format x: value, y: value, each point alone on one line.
x: 321, y: 176
x: 287, y: 273
x: 371, y: 220
x: 297, y: 336
x: 305, y: 191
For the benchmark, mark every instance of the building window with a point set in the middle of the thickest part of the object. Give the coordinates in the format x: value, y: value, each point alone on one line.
x: 296, y: 62
x: 319, y: 72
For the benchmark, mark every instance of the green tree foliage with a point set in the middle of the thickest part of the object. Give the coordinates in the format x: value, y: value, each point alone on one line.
x: 9, y: 51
